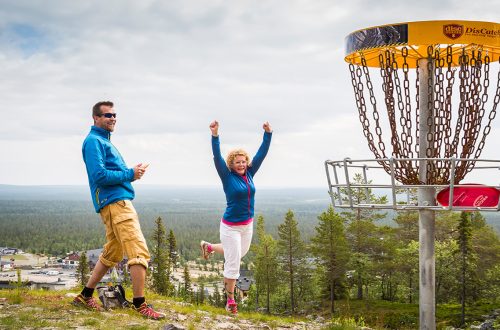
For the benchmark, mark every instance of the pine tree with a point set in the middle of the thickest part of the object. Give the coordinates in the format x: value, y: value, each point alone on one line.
x: 186, y: 290
x: 161, y: 265
x: 266, y: 259
x: 464, y: 241
x: 407, y: 264
x: 126, y: 276
x: 331, y: 250
x: 292, y: 253
x: 172, y: 248
x: 217, y: 298
x: 361, y: 230
x: 82, y: 271
x: 202, y: 293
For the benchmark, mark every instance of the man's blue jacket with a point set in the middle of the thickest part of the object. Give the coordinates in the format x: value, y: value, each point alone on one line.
x: 109, y: 176
x: 239, y: 190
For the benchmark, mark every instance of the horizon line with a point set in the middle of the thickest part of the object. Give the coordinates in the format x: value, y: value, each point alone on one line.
x: 159, y: 185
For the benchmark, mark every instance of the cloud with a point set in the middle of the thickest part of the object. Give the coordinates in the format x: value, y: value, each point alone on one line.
x: 173, y: 66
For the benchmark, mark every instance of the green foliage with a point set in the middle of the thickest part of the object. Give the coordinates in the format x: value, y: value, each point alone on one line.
x: 172, y: 249
x: 18, y: 298
x: 292, y: 258
x: 266, y: 259
x: 394, y: 320
x: 330, y: 248
x: 466, y: 258
x: 383, y: 260
x: 161, y: 261
x: 126, y: 281
x: 362, y: 233
x: 83, y: 270
x: 186, y: 290
x: 346, y: 323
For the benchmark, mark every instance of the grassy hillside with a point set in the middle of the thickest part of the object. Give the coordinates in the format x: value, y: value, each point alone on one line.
x: 52, y: 309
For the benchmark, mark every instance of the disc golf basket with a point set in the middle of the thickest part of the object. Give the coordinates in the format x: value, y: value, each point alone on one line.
x: 433, y: 88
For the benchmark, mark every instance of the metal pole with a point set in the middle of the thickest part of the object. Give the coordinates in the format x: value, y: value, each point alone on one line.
x: 426, y: 221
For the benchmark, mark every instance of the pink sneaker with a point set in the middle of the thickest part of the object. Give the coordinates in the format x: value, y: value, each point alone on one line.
x: 89, y: 303
x: 206, y: 251
x: 148, y: 312
x: 232, y: 307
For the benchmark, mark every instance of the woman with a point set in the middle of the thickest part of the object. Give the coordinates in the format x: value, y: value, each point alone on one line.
x: 236, y: 226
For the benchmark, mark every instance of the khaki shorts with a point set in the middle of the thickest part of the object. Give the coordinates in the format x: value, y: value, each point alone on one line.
x: 123, y: 236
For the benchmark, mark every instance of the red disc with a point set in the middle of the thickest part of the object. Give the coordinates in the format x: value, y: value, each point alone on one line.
x: 473, y: 195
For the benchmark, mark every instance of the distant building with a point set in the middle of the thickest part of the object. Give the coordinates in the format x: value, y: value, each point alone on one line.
x: 8, y: 251
x: 6, y: 284
x: 71, y: 261
x: 6, y: 265
x: 48, y: 285
x: 93, y: 257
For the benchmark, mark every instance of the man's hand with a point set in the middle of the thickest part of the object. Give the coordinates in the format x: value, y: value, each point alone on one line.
x: 214, y: 127
x: 139, y: 170
x: 267, y: 127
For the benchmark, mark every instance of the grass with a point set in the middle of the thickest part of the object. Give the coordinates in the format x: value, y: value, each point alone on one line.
x: 52, y: 309
x: 379, y: 314
x: 14, y: 256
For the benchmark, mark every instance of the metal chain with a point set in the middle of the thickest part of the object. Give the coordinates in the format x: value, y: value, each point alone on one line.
x: 496, y: 101
x: 406, y: 123
x: 357, y: 84
x: 450, y: 80
x: 443, y: 141
x: 376, y: 116
x: 439, y: 115
x: 429, y: 152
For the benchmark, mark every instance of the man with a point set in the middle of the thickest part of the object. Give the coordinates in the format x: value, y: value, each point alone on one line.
x: 111, y: 189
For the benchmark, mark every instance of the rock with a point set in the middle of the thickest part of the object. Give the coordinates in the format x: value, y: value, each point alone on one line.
x: 71, y: 295
x: 227, y: 325
x: 173, y: 326
x: 32, y: 309
x: 320, y: 319
x: 488, y: 325
x: 134, y: 324
x: 182, y: 303
x: 222, y: 318
x: 181, y: 317
x: 203, y: 312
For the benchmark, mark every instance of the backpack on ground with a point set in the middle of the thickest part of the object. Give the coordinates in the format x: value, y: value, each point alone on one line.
x: 113, y: 296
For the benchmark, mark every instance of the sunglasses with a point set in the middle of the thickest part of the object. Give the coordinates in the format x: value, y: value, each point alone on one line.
x: 108, y: 115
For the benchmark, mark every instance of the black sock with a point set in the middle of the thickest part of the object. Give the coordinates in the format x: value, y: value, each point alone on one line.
x: 87, y: 292
x: 138, y: 301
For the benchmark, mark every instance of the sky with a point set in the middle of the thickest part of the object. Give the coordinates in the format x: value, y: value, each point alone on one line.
x: 172, y: 67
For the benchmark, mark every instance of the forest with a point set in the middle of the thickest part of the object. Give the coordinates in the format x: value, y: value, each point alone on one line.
x: 305, y: 254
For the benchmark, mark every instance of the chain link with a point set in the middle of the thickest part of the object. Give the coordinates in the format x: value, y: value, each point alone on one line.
x: 442, y: 140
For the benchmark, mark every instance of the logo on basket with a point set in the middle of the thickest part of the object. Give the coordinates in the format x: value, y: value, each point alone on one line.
x: 453, y: 31
x: 480, y: 200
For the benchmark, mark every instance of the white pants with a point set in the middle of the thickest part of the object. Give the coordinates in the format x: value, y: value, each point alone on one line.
x: 236, y: 243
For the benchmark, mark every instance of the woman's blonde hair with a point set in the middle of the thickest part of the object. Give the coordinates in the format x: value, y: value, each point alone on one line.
x: 232, y: 155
